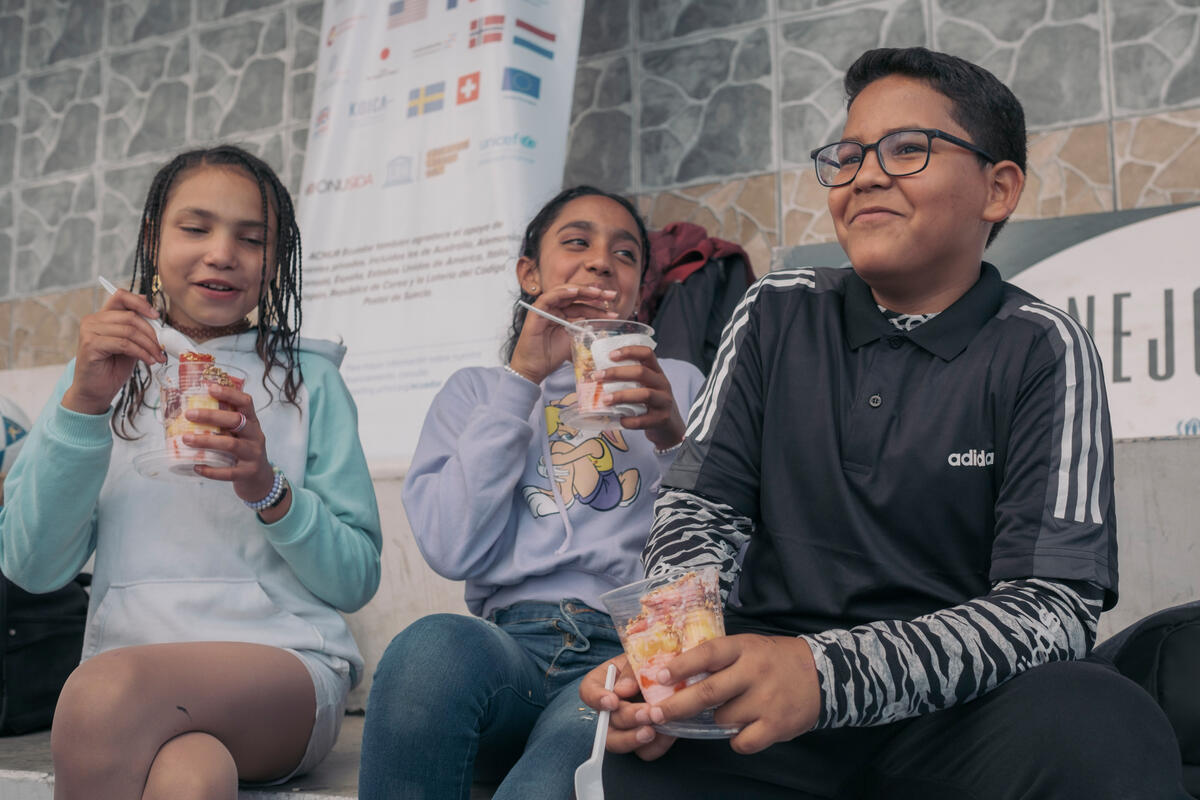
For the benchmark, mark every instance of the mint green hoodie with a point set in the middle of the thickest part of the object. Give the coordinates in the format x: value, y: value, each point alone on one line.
x: 187, y: 561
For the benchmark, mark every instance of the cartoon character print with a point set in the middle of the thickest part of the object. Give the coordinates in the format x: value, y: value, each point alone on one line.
x: 582, y: 470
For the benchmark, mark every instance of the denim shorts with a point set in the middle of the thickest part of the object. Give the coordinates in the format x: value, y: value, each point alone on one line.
x: 331, y: 684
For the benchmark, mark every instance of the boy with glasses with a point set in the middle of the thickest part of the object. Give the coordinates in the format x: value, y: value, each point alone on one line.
x: 904, y: 474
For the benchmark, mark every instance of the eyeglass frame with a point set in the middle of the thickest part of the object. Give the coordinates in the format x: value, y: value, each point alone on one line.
x: 931, y: 133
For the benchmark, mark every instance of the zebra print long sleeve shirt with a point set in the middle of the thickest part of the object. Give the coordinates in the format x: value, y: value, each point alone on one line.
x: 891, y: 670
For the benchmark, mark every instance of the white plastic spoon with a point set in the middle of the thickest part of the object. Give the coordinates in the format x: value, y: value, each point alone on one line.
x: 172, y: 341
x: 589, y: 777
x: 571, y: 326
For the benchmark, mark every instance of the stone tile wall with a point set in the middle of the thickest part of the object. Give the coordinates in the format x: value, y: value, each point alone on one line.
x: 704, y: 110
x: 94, y: 96
x: 735, y: 93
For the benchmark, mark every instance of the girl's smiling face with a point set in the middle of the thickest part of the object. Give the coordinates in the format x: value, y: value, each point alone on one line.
x: 593, y: 241
x: 212, y: 245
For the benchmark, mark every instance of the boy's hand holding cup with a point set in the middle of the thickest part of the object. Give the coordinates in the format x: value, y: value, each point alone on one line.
x: 659, y: 619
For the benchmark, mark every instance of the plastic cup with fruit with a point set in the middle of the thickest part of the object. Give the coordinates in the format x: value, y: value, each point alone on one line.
x: 661, y: 617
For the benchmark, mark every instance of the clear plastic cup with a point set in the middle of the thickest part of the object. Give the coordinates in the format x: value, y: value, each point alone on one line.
x: 657, y: 619
x: 591, y: 349
x: 184, y: 385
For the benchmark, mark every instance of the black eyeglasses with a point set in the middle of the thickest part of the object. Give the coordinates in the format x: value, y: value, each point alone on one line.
x: 900, y: 153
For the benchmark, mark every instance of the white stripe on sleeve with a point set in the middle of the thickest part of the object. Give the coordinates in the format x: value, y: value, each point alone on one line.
x: 709, y: 401
x: 1080, y: 397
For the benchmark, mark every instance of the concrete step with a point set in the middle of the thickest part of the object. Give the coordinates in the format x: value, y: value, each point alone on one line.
x: 26, y: 772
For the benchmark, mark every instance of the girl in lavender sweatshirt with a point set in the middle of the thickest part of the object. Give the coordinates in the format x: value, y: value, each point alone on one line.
x: 539, y: 516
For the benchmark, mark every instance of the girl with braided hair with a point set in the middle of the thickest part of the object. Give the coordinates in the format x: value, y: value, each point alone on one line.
x: 278, y: 311
x: 214, y: 651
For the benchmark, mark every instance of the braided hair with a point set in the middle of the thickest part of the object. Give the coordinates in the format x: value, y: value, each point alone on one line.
x: 278, y: 325
x: 532, y: 241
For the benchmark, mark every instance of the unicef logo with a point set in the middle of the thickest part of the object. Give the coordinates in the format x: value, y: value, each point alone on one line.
x: 1188, y: 427
x: 510, y: 140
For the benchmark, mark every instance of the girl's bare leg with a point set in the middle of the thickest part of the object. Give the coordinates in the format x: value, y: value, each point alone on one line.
x: 119, y: 725
x: 192, y: 766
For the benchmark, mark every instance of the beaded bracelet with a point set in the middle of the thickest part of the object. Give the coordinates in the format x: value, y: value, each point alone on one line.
x: 273, y: 496
x: 668, y: 450
x: 512, y: 371
x: 282, y: 496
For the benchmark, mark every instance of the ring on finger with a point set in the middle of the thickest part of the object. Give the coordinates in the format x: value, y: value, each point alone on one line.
x: 241, y: 424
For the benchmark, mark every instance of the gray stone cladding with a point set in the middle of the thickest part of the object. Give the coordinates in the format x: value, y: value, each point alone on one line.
x: 669, y: 94
x: 726, y: 89
x: 96, y: 94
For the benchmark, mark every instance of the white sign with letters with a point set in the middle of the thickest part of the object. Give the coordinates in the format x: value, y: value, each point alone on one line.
x: 1137, y: 290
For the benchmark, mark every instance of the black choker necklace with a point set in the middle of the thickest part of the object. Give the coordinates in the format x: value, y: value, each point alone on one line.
x: 202, y: 333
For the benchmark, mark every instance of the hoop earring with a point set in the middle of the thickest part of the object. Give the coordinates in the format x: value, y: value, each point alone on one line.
x: 158, y: 300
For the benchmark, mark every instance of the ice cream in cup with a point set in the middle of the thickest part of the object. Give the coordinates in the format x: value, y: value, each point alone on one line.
x: 592, y: 346
x: 184, y: 385
x: 657, y: 619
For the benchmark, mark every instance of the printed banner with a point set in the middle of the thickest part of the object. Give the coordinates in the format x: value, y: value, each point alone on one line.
x: 438, y: 129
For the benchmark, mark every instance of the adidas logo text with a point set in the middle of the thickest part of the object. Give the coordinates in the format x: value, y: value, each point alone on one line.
x: 972, y: 458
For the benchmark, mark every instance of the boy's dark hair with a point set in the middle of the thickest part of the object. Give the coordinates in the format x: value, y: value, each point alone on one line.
x: 532, y: 241
x: 986, y: 108
x: 278, y: 325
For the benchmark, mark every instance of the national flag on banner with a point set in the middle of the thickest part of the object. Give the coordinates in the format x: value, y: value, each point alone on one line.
x: 518, y: 80
x: 426, y: 99
x: 540, y: 45
x: 402, y: 12
x: 485, y: 30
x: 468, y: 88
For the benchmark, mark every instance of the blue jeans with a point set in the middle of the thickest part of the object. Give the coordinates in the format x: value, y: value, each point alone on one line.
x: 458, y: 699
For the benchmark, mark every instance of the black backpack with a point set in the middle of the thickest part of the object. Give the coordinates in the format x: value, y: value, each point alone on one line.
x: 1161, y: 653
x: 41, y: 637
